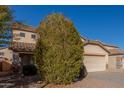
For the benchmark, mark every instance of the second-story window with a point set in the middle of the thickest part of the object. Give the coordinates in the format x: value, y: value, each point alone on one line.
x: 22, y: 34
x: 33, y: 36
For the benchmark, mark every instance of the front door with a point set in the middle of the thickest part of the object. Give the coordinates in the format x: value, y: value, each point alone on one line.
x: 26, y: 59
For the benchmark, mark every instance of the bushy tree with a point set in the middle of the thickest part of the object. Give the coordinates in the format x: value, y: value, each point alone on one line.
x: 59, y: 50
x: 5, y: 24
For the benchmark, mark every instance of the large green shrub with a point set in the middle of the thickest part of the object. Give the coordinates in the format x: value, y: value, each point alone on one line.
x: 59, y: 50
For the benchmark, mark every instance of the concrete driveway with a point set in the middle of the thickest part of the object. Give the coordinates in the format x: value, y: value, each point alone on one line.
x: 105, y: 79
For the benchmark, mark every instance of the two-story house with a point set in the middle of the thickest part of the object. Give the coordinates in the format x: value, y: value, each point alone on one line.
x: 23, y: 43
x: 21, y: 49
x: 97, y: 55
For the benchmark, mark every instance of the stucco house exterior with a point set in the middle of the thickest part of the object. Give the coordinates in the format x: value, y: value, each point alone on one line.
x: 97, y: 55
x: 21, y: 48
x: 100, y: 57
x: 23, y: 43
x: 6, y: 58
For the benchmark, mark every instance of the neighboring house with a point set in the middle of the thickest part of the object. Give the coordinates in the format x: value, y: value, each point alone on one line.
x: 6, y: 57
x: 100, y: 57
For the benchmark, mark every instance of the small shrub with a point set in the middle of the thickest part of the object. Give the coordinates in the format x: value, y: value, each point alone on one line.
x: 29, y: 70
x: 83, y: 73
x: 16, y: 68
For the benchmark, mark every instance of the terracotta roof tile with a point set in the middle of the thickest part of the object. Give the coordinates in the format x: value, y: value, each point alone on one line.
x: 22, y: 47
x: 106, y: 44
x: 20, y: 26
x: 116, y: 52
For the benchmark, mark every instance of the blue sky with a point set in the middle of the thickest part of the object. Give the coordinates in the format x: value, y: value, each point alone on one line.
x: 105, y: 23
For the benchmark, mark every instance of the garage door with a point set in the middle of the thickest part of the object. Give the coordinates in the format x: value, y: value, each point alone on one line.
x: 95, y: 63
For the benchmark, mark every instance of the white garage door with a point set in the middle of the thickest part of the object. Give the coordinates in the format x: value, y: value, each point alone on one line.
x: 95, y: 63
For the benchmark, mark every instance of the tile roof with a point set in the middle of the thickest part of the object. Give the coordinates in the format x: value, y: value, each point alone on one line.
x: 116, y: 52
x: 106, y: 44
x: 22, y: 47
x: 98, y: 41
x: 20, y: 26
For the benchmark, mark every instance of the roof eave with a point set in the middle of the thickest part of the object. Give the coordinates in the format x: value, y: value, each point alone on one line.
x: 98, y: 45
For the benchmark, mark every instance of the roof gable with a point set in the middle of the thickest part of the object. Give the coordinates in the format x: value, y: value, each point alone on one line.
x: 98, y: 44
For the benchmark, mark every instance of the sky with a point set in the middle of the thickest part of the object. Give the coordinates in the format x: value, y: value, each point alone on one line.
x: 105, y: 23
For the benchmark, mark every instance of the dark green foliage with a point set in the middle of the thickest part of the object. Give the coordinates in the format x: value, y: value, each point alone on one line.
x: 83, y: 73
x: 5, y: 24
x: 59, y: 50
x: 5, y: 18
x: 29, y: 70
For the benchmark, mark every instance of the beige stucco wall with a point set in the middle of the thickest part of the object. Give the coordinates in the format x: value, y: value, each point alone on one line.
x: 7, y: 54
x: 6, y: 59
x: 112, y: 62
x: 26, y: 39
x: 95, y: 63
x: 94, y: 49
